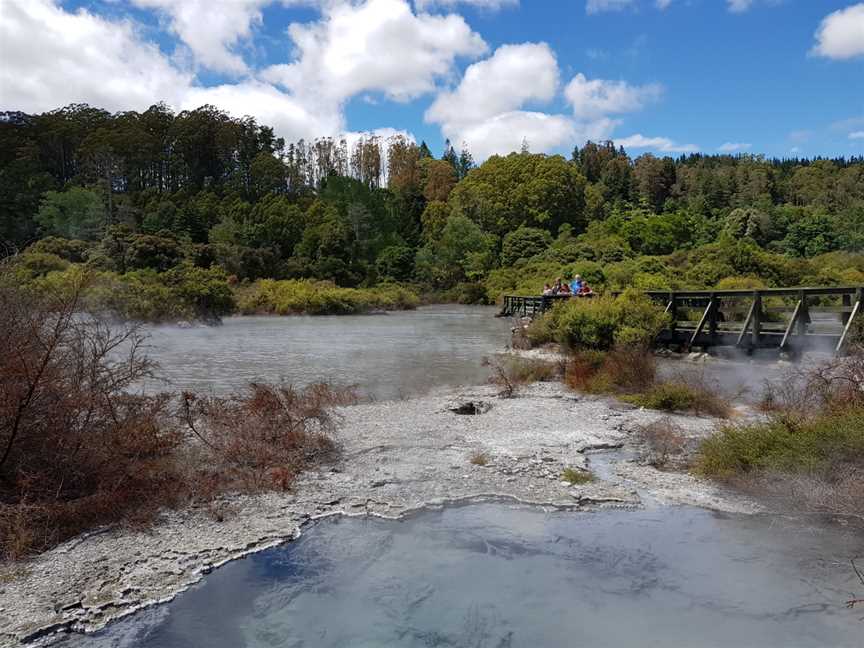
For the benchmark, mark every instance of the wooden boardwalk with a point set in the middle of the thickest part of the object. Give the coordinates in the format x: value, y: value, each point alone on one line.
x: 786, y: 319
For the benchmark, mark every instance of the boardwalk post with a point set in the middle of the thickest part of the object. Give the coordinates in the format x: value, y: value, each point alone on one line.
x: 804, y: 315
x: 714, y: 309
x: 756, y: 321
x: 672, y: 309
x: 707, y: 315
x: 796, y: 314
x: 856, y: 310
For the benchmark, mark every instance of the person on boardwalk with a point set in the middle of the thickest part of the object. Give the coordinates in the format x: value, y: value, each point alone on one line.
x: 576, y: 285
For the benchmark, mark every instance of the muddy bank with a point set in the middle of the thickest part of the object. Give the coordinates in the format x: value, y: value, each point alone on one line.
x: 397, y: 457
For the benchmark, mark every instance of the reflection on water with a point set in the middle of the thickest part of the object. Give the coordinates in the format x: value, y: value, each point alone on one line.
x: 500, y: 576
x: 388, y: 356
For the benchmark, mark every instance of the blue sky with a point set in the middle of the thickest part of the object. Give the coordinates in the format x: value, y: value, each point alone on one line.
x: 779, y: 77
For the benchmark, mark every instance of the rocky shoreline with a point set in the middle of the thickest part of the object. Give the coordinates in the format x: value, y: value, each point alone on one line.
x: 398, y: 457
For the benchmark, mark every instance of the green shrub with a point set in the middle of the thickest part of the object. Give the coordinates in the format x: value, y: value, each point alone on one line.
x: 785, y: 445
x: 600, y: 323
x: 524, y: 243
x: 680, y: 397
x: 295, y: 296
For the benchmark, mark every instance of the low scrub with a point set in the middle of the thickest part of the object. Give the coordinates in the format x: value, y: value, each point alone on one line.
x: 681, y: 397
x: 299, y: 296
x: 624, y: 370
x: 630, y: 373
x: 809, y: 452
x: 786, y: 445
x: 600, y: 323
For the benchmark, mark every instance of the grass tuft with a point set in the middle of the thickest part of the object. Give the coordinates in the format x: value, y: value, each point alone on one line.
x: 681, y: 397
x: 575, y: 477
x: 479, y: 459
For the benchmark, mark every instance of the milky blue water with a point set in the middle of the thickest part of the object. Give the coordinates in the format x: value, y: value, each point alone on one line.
x: 502, y: 576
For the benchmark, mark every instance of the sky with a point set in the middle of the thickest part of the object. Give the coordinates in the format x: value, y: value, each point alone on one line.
x: 782, y: 78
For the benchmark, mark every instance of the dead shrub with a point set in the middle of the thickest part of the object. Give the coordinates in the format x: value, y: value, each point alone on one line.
x: 837, y: 490
x: 665, y: 442
x: 265, y: 437
x: 833, y: 385
x: 511, y: 371
x: 76, y: 450
x: 479, y: 459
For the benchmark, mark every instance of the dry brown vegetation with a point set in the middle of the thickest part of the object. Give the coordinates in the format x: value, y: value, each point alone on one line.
x: 630, y: 372
x: 510, y: 372
x: 479, y: 459
x: 79, y: 450
x: 665, y: 442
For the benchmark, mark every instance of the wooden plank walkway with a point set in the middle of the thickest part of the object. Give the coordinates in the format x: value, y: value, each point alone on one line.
x: 786, y: 319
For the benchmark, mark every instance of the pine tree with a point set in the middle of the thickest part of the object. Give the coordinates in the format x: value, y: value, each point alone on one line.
x: 465, y: 162
x: 450, y: 156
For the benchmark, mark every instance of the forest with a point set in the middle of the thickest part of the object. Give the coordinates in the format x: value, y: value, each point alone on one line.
x: 198, y: 214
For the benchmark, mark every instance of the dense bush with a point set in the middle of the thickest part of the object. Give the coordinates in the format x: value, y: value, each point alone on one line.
x: 600, y: 323
x: 524, y: 243
x: 321, y: 298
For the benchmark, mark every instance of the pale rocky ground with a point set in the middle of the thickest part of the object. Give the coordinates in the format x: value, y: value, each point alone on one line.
x: 397, y: 457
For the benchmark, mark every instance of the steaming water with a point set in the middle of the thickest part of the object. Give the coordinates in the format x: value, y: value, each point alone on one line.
x: 387, y: 356
x: 502, y: 576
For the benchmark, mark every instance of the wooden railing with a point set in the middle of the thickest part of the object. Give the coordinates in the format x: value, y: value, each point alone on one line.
x: 788, y: 319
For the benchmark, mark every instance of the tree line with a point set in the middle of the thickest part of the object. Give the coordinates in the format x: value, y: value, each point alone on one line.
x: 156, y: 191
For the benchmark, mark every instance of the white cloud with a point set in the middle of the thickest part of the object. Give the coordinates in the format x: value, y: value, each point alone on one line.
x: 377, y: 45
x: 662, y: 4
x: 484, y: 110
x: 597, y: 6
x: 487, y: 108
x: 512, y: 76
x: 290, y: 118
x: 493, y: 5
x: 504, y: 133
x: 734, y: 147
x: 739, y: 6
x: 856, y: 135
x: 52, y: 57
x: 841, y: 34
x: 663, y: 144
x: 597, y: 97
x: 211, y: 32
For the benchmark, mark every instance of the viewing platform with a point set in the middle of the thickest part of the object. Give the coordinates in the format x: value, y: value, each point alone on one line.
x: 787, y: 319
